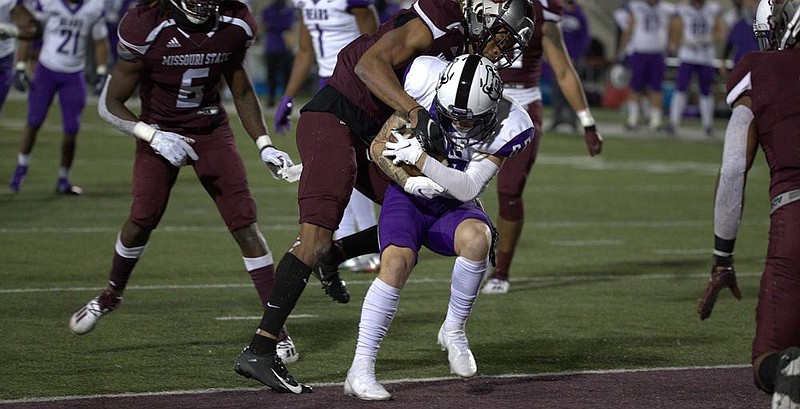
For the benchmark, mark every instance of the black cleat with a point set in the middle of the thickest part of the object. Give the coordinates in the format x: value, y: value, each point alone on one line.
x: 268, y: 370
x: 332, y: 282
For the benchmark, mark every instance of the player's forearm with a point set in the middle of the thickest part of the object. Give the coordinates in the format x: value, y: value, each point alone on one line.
x: 100, y: 53
x: 301, y: 66
x: 396, y: 173
x: 463, y: 185
x: 571, y: 87
x: 249, y: 109
x: 114, y: 111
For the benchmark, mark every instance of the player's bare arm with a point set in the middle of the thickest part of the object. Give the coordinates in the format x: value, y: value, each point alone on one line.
x: 376, y: 66
x: 245, y: 100
x: 303, y: 61
x: 675, y: 34
x: 556, y: 54
x: 27, y: 25
x: 366, y: 19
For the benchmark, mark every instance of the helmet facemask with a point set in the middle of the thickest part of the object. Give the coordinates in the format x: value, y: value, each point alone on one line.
x: 503, y: 22
x: 197, y: 12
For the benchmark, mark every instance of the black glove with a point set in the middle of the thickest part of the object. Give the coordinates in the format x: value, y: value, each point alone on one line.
x: 21, y: 81
x: 722, y: 275
x: 429, y: 135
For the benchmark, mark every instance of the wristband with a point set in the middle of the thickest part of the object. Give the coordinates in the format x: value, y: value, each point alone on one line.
x: 585, y: 117
x: 21, y: 66
x: 262, y: 142
x: 144, y: 131
x: 101, y: 70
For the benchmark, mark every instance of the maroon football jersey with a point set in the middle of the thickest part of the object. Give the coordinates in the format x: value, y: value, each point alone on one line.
x: 442, y: 17
x: 771, y: 81
x: 527, y: 70
x: 179, y: 89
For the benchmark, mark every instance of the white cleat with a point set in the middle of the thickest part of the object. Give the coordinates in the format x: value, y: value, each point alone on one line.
x: 496, y: 286
x: 85, y: 319
x: 365, y: 387
x: 462, y: 362
x: 287, y: 351
x: 787, y: 381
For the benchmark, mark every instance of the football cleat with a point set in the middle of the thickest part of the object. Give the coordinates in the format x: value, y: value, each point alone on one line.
x: 462, y: 362
x: 85, y: 319
x: 496, y: 286
x: 332, y: 282
x: 362, y: 384
x: 287, y: 351
x: 787, y: 380
x: 268, y: 370
x: 63, y: 187
x: 367, y: 263
x: 18, y: 178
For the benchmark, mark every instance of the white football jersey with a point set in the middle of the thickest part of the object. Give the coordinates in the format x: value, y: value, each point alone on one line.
x: 651, y: 26
x: 7, y: 45
x: 697, y: 46
x: 514, y: 129
x: 331, y: 27
x: 67, y: 26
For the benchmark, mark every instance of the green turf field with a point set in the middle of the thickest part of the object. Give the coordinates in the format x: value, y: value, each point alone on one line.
x: 613, y: 258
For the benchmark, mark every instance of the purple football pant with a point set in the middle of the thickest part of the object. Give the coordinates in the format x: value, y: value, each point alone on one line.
x: 705, y: 76
x: 6, y: 77
x: 412, y: 222
x: 71, y: 89
x: 647, y: 70
x: 778, y: 308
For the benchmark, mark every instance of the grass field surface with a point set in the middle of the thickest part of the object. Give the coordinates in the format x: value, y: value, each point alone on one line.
x: 613, y: 258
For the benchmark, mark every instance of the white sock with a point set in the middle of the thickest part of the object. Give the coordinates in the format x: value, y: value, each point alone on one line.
x: 377, y: 313
x: 23, y: 159
x: 707, y: 110
x: 633, y: 112
x: 655, y: 117
x: 63, y: 172
x: 676, y: 108
x: 466, y: 282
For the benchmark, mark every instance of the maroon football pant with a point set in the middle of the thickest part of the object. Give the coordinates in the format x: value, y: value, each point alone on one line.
x: 778, y: 310
x: 219, y: 169
x: 514, y: 173
x: 334, y: 161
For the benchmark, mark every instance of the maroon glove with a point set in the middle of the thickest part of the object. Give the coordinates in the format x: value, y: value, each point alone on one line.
x: 594, y: 142
x: 722, y: 275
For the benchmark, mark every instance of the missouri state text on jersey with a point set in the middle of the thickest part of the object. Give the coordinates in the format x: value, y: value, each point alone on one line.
x: 183, y: 68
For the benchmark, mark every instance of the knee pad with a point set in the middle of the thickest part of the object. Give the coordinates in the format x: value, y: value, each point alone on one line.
x: 511, y: 207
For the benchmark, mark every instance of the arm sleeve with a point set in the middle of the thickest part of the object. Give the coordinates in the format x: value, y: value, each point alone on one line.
x: 115, y: 121
x: 730, y: 191
x: 466, y: 185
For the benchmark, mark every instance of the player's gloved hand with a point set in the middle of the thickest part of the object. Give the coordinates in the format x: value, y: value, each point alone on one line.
x: 722, y: 275
x: 21, y: 81
x: 428, y: 133
x: 282, y: 113
x: 175, y: 148
x: 422, y: 186
x: 8, y: 30
x: 276, y: 160
x: 100, y: 79
x: 594, y: 142
x: 405, y: 150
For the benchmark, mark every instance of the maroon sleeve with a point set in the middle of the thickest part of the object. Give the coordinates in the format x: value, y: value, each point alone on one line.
x: 739, y: 81
x: 440, y: 16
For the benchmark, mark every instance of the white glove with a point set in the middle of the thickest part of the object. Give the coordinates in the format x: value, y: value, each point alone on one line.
x: 276, y: 161
x: 292, y: 173
x: 423, y: 186
x: 173, y: 147
x: 8, y: 30
x: 406, y: 150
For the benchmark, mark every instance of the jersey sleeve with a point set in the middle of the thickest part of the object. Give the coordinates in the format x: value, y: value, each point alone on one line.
x: 739, y: 82
x: 515, y: 130
x: 552, y: 10
x: 440, y: 16
x: 135, y: 32
x: 421, y: 77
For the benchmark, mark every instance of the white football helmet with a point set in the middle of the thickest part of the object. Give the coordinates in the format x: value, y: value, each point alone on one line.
x: 197, y: 12
x: 503, y: 21
x: 467, y: 98
x: 762, y: 27
x: 785, y: 23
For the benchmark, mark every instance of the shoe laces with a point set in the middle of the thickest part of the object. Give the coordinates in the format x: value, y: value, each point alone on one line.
x: 107, y: 301
x: 280, y: 368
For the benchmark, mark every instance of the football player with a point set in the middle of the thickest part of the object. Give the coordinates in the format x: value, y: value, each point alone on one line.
x: 337, y: 125
x: 521, y: 81
x: 176, y: 52
x: 481, y: 130
x: 16, y: 21
x: 67, y: 27
x: 699, y: 30
x: 327, y: 28
x: 764, y: 114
